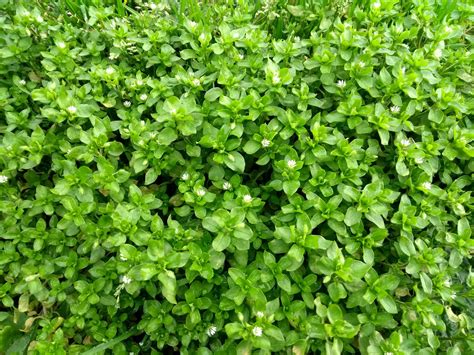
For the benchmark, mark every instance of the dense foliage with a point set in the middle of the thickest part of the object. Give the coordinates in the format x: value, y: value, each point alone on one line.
x: 287, y: 179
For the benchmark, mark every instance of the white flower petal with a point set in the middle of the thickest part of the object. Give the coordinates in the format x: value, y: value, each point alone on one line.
x: 247, y: 198
x: 212, y: 330
x: 291, y: 163
x: 257, y: 331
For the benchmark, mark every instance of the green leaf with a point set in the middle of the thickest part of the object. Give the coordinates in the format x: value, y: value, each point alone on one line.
x: 233, y: 330
x: 251, y: 147
x: 352, y: 217
x: 358, y: 269
x: 19, y: 345
x: 401, y: 168
x: 221, y: 242
x: 455, y: 259
x: 168, y: 282
x: 211, y: 224
x: 407, y: 246
x: 284, y: 282
x: 426, y: 283
x: 296, y: 253
x: 389, y: 281
x: 62, y: 187
x: 388, y: 304
x: 385, y: 77
x: 213, y: 94
x: 216, y: 173
x: 115, y: 149
x: 111, y: 343
x: 384, y: 136
x: 235, y: 161
x: 143, y: 272
x: 435, y: 115
x: 151, y: 176
x: 334, y: 313
x: 337, y: 291
x: 376, y: 219
x: 275, y: 333
x: 464, y: 228
x: 290, y: 187
x: 312, y: 242
x: 243, y: 232
x: 167, y: 136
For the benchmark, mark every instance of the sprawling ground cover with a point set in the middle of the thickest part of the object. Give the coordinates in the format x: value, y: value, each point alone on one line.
x: 227, y: 178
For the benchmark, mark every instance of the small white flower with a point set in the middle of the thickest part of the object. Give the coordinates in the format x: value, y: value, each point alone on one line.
x: 447, y: 282
x: 453, y: 295
x: 226, y: 185
x: 276, y: 78
x: 241, y: 56
x: 109, y: 70
x: 291, y: 163
x: 192, y: 24
x: 419, y: 160
x: 426, y: 185
x: 113, y: 56
x: 22, y: 82
x: 265, y: 143
x: 72, y: 109
x: 123, y: 258
x: 403, y: 70
x: 3, y: 179
x: 185, y: 176
x: 260, y: 314
x: 62, y: 45
x: 448, y: 29
x: 139, y: 82
x: 39, y: 18
x: 248, y: 198
x: 173, y: 111
x: 388, y: 353
x: 202, y: 37
x: 341, y: 84
x: 257, y: 331
x: 201, y: 192
x: 395, y: 109
x: 211, y: 330
x: 196, y: 82
x: 438, y: 53
x: 143, y: 97
x: 376, y: 5
x: 361, y: 64
x: 153, y: 6
x: 127, y: 103
x: 126, y: 280
x: 405, y: 142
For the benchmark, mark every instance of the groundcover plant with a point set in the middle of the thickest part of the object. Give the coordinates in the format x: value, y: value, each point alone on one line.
x: 236, y: 177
